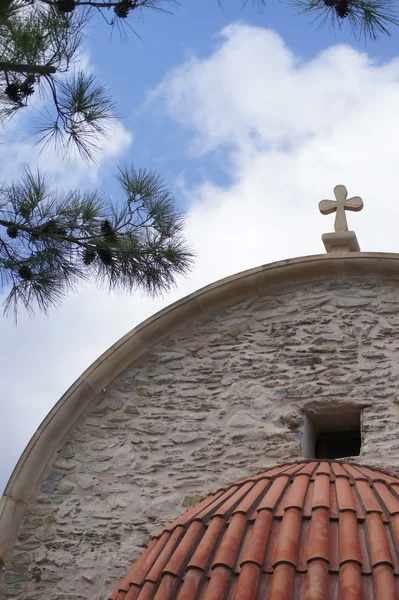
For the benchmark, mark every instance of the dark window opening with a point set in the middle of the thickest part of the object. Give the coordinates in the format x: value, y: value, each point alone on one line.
x: 338, y: 444
x: 332, y: 432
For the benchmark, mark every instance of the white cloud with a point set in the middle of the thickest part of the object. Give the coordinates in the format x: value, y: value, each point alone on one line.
x: 290, y: 130
x: 70, y: 173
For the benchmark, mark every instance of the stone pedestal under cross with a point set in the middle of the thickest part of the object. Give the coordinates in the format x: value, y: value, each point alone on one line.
x: 341, y: 240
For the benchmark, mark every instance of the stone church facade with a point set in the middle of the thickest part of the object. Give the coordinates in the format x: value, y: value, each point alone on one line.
x: 276, y: 364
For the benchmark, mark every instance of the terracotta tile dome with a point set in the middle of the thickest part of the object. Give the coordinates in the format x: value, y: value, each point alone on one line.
x: 311, y: 530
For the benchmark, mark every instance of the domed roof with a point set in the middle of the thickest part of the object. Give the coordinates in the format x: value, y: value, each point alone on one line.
x: 310, y: 530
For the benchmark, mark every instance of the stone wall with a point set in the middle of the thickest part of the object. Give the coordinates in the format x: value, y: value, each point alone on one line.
x: 216, y: 401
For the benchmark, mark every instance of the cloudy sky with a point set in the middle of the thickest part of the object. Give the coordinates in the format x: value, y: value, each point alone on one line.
x: 252, y: 119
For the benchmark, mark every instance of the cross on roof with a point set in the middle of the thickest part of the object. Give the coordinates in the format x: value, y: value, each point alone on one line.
x: 340, y: 205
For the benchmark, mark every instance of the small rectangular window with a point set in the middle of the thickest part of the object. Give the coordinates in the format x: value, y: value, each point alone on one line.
x: 332, y: 434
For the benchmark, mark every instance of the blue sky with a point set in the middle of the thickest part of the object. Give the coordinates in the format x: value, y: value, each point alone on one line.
x: 252, y: 118
x: 193, y: 30
x: 132, y: 69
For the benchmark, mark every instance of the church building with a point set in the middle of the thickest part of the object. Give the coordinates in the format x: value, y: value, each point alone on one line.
x: 241, y: 444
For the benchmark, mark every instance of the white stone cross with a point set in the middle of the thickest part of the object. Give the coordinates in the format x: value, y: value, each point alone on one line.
x: 340, y: 205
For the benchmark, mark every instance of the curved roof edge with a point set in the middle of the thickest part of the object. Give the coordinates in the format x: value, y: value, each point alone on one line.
x: 200, y: 550
x: 140, y: 339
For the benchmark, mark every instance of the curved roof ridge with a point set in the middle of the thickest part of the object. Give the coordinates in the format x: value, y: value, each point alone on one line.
x: 290, y: 470
x: 309, y: 525
x: 384, y: 470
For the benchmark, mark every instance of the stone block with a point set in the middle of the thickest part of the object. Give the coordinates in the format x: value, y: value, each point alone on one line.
x: 44, y: 533
x: 22, y: 558
x: 67, y: 451
x: 64, y: 463
x: 11, y: 577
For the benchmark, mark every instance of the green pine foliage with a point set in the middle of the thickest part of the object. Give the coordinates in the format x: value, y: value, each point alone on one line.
x: 51, y: 241
x: 367, y: 19
x: 40, y: 39
x: 39, y: 45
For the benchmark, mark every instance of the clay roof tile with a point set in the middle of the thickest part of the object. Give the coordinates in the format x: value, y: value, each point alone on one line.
x: 250, y: 498
x: 321, y: 491
x: 323, y: 468
x: 256, y: 544
x: 318, y: 544
x: 132, y: 594
x: 273, y: 494
x: 181, y: 554
x: 191, y: 584
x: 288, y: 540
x: 345, y: 498
x: 169, y: 547
x: 368, y: 497
x: 230, y: 544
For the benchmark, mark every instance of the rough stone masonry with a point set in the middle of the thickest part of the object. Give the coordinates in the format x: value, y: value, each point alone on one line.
x: 214, y: 402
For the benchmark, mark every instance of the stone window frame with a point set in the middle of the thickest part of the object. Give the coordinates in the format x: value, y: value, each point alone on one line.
x: 334, y: 418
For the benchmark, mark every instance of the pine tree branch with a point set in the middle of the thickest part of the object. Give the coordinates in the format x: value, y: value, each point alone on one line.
x: 49, y: 241
x: 38, y: 231
x: 133, y: 4
x: 28, y: 69
x: 366, y: 18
